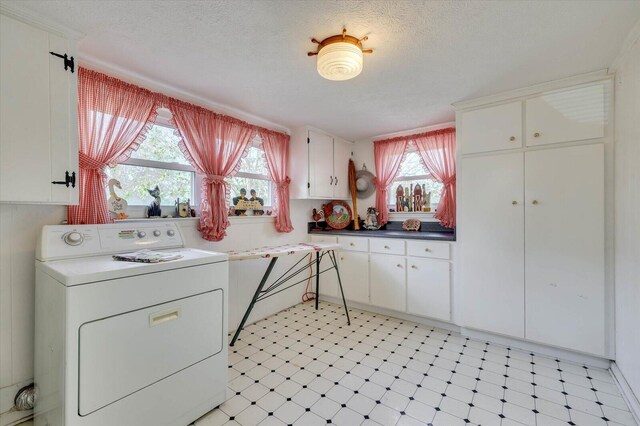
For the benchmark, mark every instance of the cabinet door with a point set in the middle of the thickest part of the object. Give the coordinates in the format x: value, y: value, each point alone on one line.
x: 354, y: 272
x: 491, y: 239
x: 321, y: 176
x: 38, y: 112
x: 428, y: 288
x: 490, y: 129
x: 328, y: 280
x: 564, y: 247
x: 341, y: 155
x: 566, y: 115
x: 388, y: 281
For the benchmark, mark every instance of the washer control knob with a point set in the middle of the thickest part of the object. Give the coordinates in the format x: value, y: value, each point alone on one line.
x: 171, y: 232
x: 142, y: 234
x: 73, y: 238
x: 156, y: 233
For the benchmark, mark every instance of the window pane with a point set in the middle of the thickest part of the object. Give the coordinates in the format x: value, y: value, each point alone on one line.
x: 430, y: 185
x: 262, y: 187
x: 254, y: 162
x: 411, y: 166
x: 135, y: 181
x: 161, y: 144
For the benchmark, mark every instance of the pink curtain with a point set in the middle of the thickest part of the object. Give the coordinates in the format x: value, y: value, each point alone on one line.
x: 276, y: 153
x: 437, y: 151
x: 388, y: 155
x: 214, y: 144
x: 113, y: 117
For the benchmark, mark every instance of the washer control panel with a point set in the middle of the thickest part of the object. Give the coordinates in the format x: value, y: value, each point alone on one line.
x: 62, y: 241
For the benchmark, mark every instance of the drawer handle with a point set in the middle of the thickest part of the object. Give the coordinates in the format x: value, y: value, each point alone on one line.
x: 342, y: 258
x: 387, y: 247
x: 512, y: 138
x: 399, y: 265
x: 536, y: 135
x: 351, y: 244
x: 164, y: 316
x: 535, y: 202
x: 414, y: 267
x: 514, y: 203
x: 427, y: 249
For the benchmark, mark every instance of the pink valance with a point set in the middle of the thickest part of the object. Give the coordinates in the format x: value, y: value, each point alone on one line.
x: 437, y: 151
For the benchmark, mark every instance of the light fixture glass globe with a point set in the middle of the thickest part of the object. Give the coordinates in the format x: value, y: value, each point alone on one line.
x: 340, y: 61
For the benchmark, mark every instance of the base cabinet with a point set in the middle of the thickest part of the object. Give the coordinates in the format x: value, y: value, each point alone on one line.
x: 389, y: 281
x: 329, y: 279
x: 354, y: 273
x: 428, y: 290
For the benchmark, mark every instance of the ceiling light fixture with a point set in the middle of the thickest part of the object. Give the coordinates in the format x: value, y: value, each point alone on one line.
x: 340, y: 56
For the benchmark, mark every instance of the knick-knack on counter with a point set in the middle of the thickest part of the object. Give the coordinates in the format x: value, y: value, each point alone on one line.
x: 154, y: 208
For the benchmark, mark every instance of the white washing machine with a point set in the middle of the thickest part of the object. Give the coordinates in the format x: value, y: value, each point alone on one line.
x: 126, y: 343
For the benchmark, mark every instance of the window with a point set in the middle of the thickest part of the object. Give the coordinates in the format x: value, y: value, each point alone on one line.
x: 253, y: 174
x: 413, y: 172
x: 158, y: 161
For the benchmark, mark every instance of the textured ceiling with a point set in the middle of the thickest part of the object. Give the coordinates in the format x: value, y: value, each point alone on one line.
x: 251, y: 55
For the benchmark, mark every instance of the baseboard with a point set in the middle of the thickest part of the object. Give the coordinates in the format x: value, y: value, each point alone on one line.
x: 550, y: 351
x: 395, y: 314
x: 627, y: 393
x: 8, y: 415
x: 564, y: 354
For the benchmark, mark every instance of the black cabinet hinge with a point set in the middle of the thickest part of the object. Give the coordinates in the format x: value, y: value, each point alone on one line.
x: 68, y: 61
x: 308, y: 185
x: 69, y: 179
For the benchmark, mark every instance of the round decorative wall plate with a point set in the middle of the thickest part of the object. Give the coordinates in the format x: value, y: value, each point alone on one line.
x: 340, y: 214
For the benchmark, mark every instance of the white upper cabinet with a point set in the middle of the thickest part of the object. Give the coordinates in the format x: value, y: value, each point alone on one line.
x: 490, y: 129
x: 38, y: 116
x: 318, y: 165
x: 568, y: 115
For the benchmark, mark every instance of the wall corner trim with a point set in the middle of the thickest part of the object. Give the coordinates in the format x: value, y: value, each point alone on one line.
x: 627, y: 393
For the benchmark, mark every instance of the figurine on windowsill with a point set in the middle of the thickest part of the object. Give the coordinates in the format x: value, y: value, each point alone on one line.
x: 183, y: 208
x: 258, y: 203
x: 154, y: 208
x: 117, y: 205
x: 239, y: 203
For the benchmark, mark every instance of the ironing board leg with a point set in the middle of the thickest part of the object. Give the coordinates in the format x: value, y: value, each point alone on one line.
x: 332, y: 256
x: 317, y: 278
x: 254, y: 300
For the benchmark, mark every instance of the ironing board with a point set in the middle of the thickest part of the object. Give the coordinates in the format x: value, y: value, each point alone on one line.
x: 274, y: 253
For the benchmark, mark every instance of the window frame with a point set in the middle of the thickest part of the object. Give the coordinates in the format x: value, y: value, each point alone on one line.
x: 391, y: 189
x: 196, y: 182
x: 255, y: 143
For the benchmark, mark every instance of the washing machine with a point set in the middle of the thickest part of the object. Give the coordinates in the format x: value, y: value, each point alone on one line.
x: 127, y: 343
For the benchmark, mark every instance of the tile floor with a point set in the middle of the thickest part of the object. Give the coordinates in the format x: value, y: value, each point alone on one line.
x: 306, y: 367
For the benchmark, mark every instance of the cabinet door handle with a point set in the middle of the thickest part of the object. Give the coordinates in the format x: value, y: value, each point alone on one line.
x: 387, y: 247
x: 342, y: 258
x: 399, y: 265
x: 427, y: 250
x: 536, y: 135
x: 512, y: 138
x: 414, y: 267
x: 514, y: 203
x: 336, y: 181
x: 331, y: 177
x: 351, y: 244
x: 535, y: 202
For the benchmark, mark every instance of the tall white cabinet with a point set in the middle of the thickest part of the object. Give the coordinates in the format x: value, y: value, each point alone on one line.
x: 319, y: 165
x: 531, y: 217
x: 38, y: 116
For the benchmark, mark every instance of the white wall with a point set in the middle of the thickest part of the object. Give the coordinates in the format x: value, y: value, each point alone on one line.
x: 19, y: 227
x: 627, y: 217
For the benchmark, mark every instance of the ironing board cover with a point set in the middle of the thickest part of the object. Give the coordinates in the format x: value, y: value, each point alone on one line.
x: 284, y: 250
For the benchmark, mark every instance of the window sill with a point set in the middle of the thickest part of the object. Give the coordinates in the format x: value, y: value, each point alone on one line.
x: 424, y: 216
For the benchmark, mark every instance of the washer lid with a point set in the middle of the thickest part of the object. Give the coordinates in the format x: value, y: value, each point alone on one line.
x: 85, y: 270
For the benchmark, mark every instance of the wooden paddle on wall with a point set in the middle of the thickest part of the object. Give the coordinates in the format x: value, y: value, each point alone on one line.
x: 354, y: 195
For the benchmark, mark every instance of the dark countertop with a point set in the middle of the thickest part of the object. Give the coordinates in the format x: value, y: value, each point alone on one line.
x: 428, y: 231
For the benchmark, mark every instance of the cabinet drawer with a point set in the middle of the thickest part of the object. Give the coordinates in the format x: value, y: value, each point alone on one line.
x: 428, y: 249
x: 323, y: 239
x: 387, y: 246
x: 354, y: 243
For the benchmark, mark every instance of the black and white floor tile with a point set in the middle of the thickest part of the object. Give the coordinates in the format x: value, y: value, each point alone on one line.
x: 306, y: 367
